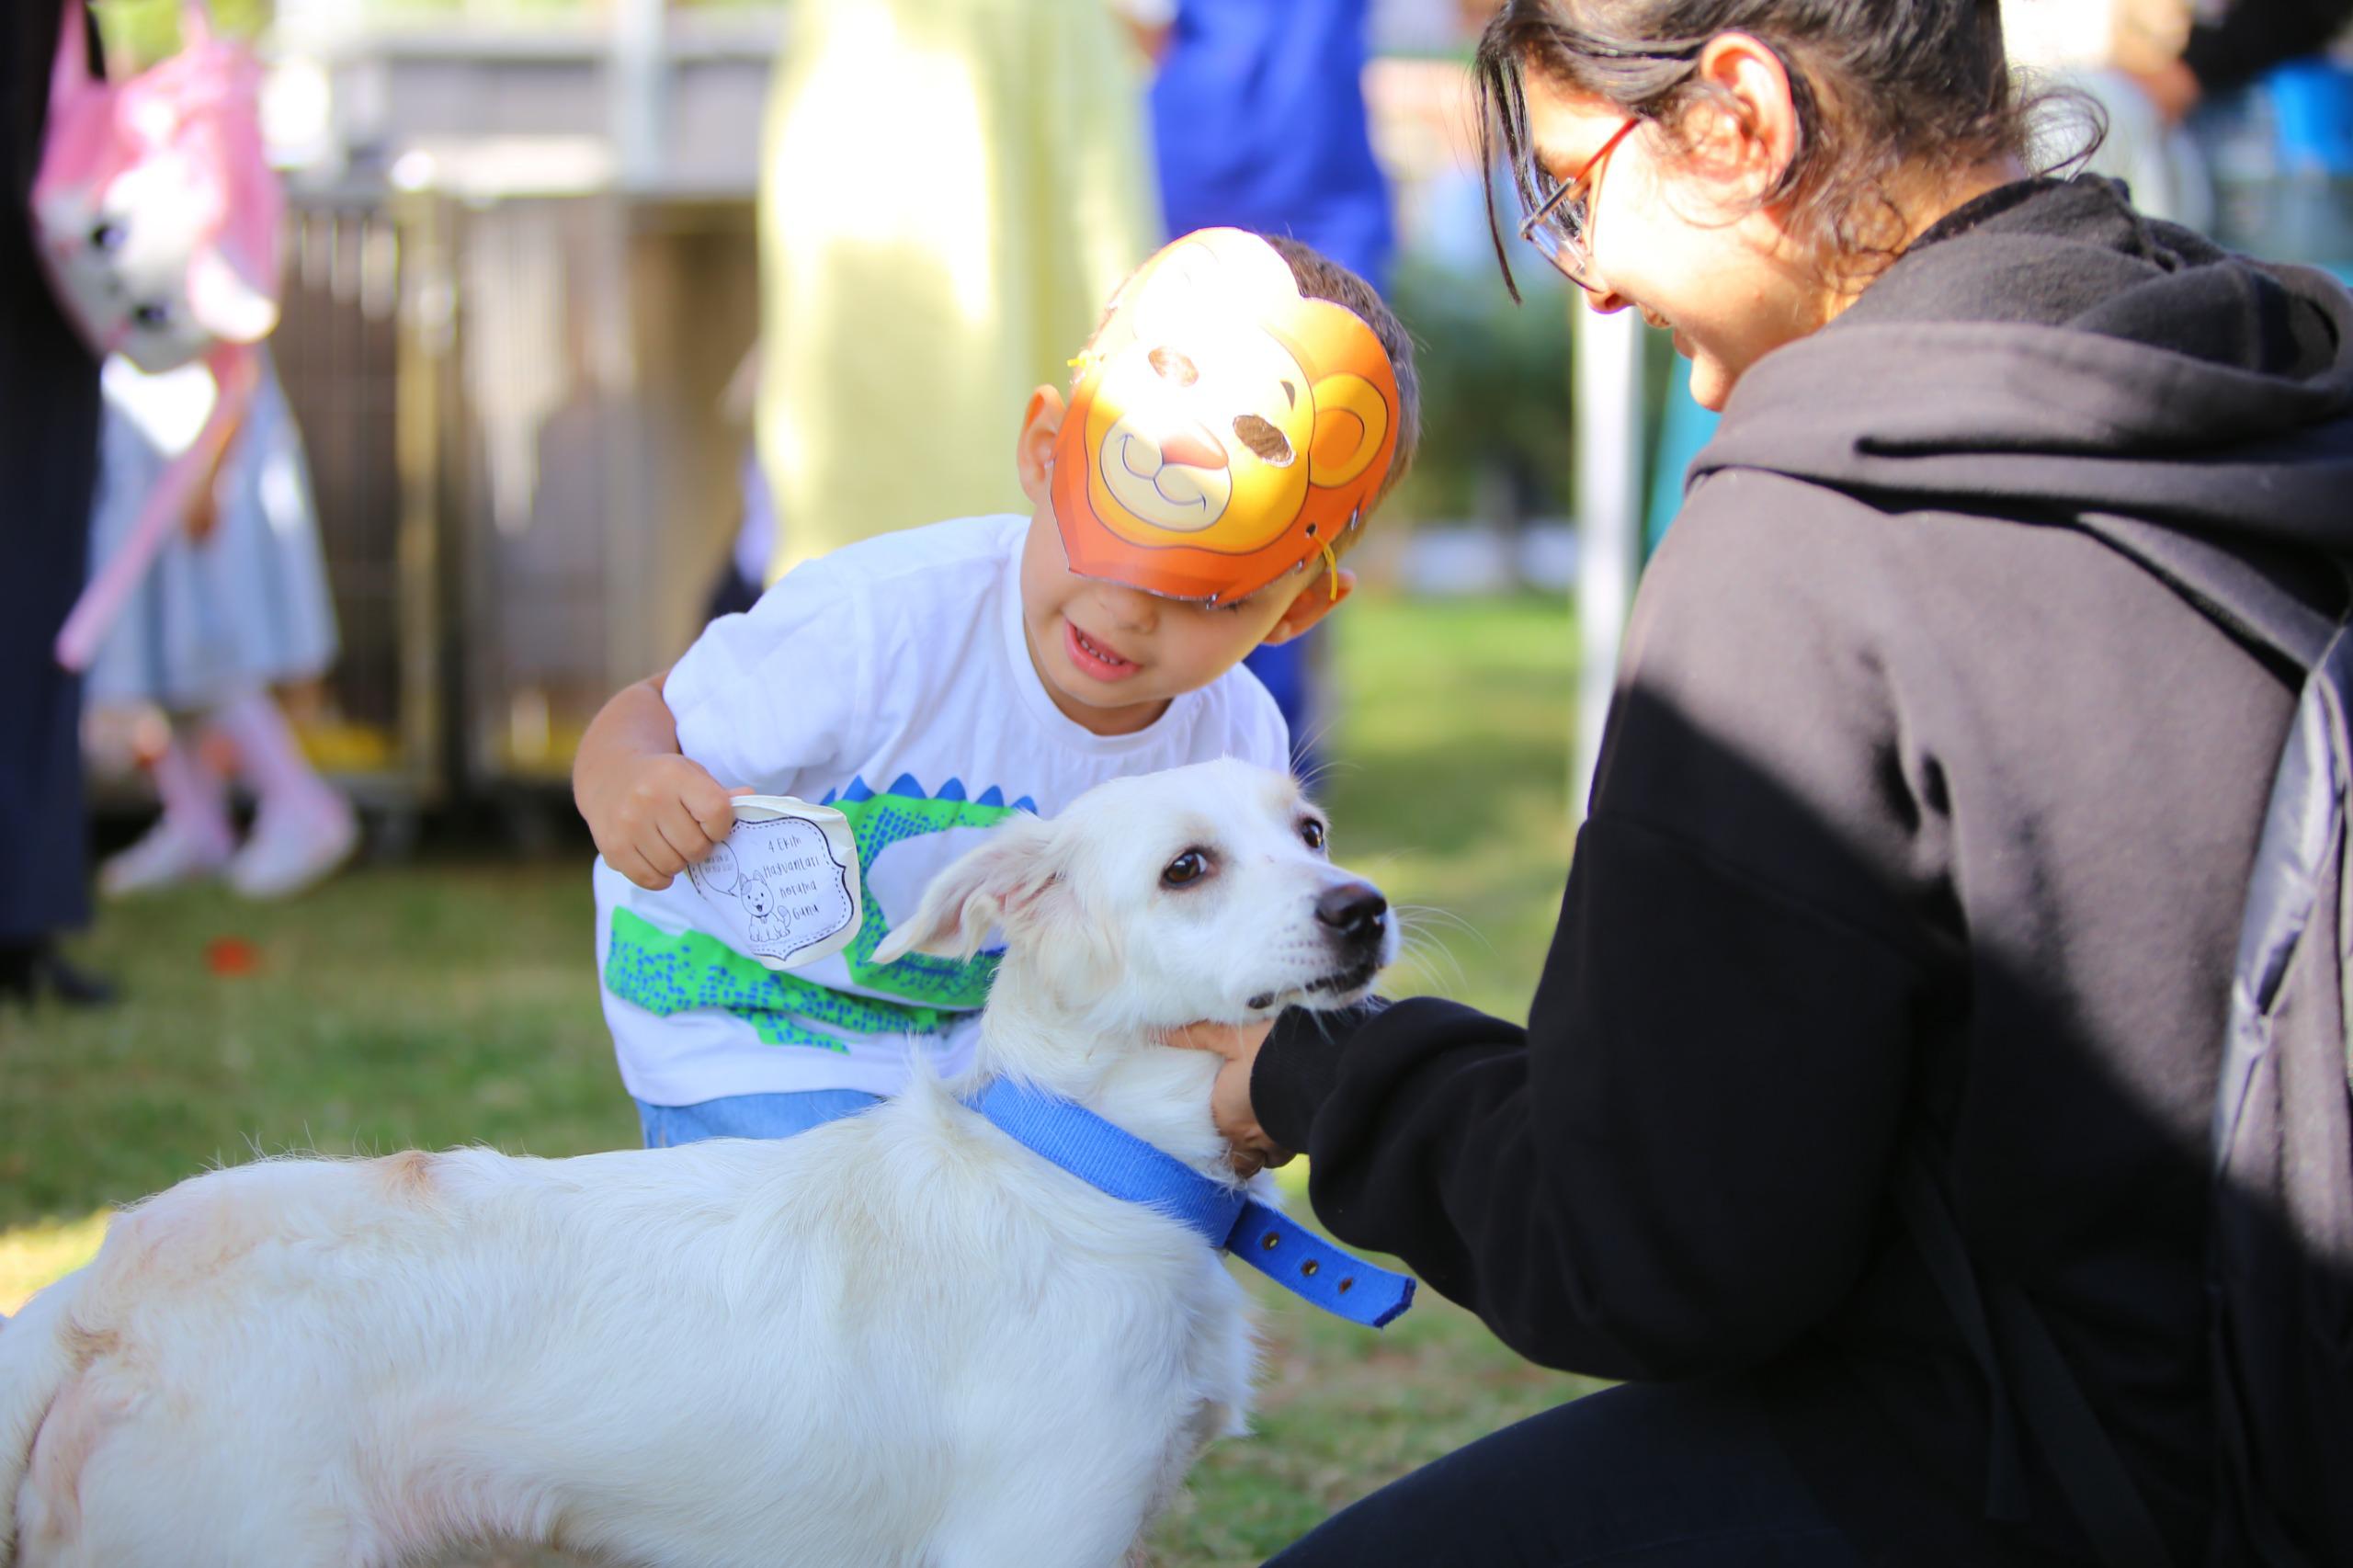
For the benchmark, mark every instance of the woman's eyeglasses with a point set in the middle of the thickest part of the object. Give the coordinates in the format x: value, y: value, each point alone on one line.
x: 1561, y: 226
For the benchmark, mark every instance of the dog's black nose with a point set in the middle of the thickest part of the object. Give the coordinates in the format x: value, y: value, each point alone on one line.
x: 1355, y: 910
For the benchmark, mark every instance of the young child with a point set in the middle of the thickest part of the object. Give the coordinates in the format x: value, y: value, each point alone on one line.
x: 221, y: 616
x: 1242, y: 408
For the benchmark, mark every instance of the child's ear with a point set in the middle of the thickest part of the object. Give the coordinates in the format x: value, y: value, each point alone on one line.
x: 1033, y: 449
x: 1311, y: 604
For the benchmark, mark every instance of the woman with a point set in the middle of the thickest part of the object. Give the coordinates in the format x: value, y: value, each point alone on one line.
x: 1921, y: 833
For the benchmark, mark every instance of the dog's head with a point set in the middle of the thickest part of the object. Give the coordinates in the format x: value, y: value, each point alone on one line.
x: 756, y: 897
x: 1200, y: 893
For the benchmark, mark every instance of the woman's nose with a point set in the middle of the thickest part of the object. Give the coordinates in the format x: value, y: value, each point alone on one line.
x: 1602, y: 299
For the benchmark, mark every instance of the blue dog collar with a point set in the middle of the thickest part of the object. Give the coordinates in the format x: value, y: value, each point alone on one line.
x: 1116, y: 1161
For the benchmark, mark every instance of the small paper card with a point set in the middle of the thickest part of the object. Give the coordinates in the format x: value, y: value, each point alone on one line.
x: 786, y: 881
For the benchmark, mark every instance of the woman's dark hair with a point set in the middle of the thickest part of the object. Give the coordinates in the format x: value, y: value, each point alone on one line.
x: 1880, y: 85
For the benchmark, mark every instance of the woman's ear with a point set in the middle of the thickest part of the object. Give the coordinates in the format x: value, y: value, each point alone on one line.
x: 1746, y: 133
x: 1033, y: 449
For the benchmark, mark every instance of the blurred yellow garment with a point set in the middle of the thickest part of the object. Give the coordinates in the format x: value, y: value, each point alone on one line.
x: 950, y: 191
x: 140, y: 33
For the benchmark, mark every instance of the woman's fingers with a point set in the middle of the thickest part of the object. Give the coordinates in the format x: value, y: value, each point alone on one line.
x: 1231, y: 1041
x: 1230, y: 1106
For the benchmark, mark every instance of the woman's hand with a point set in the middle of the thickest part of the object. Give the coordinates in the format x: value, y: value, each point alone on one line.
x: 1230, y: 1096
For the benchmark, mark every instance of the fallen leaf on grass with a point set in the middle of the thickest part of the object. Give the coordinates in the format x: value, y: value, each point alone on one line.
x: 231, y: 956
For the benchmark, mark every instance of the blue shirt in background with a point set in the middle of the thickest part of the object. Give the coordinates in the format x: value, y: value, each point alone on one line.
x: 1258, y: 119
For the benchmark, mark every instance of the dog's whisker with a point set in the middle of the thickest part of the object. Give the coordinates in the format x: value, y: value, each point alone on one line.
x: 1421, y: 945
x: 1312, y: 742
x: 1421, y: 916
x: 1421, y: 954
x: 1314, y: 778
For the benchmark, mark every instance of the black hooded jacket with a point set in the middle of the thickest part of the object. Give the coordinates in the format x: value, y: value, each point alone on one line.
x: 1921, y: 812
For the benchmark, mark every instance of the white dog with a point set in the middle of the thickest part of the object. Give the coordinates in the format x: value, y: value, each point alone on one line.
x: 902, y: 1338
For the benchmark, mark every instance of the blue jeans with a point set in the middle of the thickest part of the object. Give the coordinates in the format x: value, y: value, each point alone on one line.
x: 1665, y: 1475
x: 748, y: 1116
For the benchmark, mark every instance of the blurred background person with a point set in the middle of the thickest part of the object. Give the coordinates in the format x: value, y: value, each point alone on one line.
x: 234, y: 604
x: 2180, y: 58
x: 2079, y: 57
x: 49, y: 454
x: 741, y: 577
x: 2234, y: 118
x: 949, y: 190
x: 1258, y: 122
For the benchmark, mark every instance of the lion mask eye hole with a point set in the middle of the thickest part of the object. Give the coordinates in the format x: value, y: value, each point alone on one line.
x: 1270, y: 445
x: 1312, y: 832
x: 1171, y: 366
x: 1185, y: 869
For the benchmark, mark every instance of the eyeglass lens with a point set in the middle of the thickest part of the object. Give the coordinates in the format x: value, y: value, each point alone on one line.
x: 1560, y: 232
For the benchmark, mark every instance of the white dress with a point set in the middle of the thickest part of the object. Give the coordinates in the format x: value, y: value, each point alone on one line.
x: 246, y: 607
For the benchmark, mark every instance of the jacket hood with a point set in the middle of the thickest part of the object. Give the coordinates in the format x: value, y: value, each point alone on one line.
x: 2047, y: 348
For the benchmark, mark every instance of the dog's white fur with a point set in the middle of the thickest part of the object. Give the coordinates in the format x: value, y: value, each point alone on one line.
x: 898, y: 1339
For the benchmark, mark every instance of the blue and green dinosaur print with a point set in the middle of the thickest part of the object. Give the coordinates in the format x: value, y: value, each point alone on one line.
x: 667, y: 973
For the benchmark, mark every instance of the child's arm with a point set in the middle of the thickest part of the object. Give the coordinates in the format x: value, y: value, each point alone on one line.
x: 651, y: 810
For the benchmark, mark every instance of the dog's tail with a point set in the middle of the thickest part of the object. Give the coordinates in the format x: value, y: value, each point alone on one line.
x: 35, y: 1361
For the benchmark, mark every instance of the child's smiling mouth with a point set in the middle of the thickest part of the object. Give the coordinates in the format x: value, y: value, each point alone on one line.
x: 1092, y: 657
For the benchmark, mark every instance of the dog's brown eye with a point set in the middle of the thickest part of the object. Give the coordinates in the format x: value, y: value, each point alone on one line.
x: 1311, y: 833
x: 1189, y: 867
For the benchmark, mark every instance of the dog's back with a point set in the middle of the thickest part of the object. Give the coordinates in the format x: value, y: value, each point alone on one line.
x: 854, y: 1340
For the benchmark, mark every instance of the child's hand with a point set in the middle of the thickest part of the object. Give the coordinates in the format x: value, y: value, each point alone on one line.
x: 654, y: 816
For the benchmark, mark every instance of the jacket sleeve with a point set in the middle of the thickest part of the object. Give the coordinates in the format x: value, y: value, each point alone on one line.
x: 1676, y: 1166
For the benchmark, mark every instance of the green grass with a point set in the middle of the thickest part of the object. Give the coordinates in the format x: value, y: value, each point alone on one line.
x: 453, y: 1002
x: 424, y: 1004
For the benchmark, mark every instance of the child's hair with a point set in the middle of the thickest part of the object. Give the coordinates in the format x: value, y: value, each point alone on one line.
x: 1880, y: 85
x: 1321, y: 277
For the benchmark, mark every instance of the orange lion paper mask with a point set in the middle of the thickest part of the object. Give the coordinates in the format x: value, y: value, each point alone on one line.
x: 1224, y: 430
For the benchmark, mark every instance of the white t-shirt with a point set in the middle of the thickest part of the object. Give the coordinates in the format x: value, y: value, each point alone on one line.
x: 889, y: 679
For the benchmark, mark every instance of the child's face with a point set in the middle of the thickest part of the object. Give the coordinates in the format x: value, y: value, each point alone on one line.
x: 1112, y: 656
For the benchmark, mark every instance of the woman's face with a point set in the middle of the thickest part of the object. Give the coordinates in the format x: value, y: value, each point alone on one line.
x: 1678, y: 235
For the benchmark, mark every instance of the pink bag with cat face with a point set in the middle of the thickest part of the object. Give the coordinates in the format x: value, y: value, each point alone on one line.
x: 158, y: 216
x: 155, y: 208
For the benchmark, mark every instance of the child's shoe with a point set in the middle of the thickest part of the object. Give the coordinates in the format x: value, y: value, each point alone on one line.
x: 168, y: 854
x: 294, y: 845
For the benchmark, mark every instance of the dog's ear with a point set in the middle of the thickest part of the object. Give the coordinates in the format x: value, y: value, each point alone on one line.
x: 1007, y: 873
